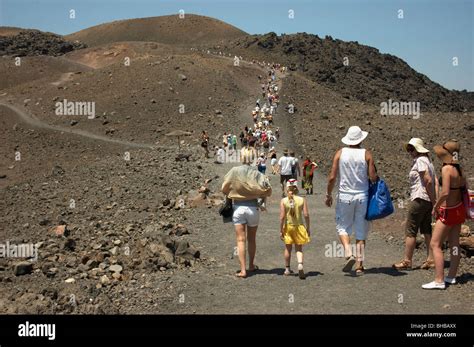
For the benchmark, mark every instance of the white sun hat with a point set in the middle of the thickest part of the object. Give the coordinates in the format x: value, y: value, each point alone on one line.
x: 418, y: 144
x: 354, y: 136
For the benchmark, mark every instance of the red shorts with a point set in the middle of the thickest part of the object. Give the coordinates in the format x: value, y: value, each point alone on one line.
x: 452, y: 215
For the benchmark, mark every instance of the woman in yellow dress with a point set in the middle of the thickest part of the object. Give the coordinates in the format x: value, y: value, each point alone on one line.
x: 292, y: 228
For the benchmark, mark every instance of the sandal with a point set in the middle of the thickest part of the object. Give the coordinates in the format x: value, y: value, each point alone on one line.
x: 360, y: 270
x: 239, y: 275
x: 255, y: 269
x: 349, y: 264
x: 288, y: 272
x: 403, y: 265
x: 428, y: 264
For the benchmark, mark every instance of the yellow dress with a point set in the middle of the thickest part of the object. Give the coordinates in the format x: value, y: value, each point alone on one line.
x: 295, y: 232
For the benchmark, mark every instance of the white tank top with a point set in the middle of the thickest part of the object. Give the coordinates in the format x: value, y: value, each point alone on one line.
x: 353, y: 177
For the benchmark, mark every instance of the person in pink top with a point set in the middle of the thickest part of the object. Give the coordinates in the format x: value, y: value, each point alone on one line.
x: 422, y: 199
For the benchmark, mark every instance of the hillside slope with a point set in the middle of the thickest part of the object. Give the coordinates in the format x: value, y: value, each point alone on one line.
x: 192, y: 29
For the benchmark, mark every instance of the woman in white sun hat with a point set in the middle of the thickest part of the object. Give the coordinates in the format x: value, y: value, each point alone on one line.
x: 354, y: 166
x: 422, y: 199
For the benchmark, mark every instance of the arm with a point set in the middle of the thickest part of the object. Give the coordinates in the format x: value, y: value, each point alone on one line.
x: 371, y: 166
x: 332, y: 178
x: 429, y: 184
x: 298, y: 170
x: 436, y: 188
x: 444, y: 190
x: 306, y: 216
x: 282, y: 218
x: 226, y: 185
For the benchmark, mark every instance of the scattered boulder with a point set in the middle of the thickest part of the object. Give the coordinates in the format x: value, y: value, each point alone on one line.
x: 60, y: 230
x: 116, y: 268
x: 22, y: 268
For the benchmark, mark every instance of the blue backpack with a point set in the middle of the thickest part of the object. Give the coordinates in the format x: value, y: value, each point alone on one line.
x: 380, y: 203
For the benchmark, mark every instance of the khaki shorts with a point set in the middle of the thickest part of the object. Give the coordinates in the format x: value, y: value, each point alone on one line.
x: 419, y: 217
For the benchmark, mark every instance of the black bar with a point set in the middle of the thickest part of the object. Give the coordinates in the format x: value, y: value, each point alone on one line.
x: 392, y: 328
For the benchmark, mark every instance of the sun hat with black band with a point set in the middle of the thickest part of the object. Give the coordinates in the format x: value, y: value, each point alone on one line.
x: 448, y: 152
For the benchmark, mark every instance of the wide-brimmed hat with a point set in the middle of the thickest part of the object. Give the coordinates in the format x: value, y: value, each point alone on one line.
x: 354, y: 136
x: 286, y: 151
x: 448, y: 152
x: 417, y: 144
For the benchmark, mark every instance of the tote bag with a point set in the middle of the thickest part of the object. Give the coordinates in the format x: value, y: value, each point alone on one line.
x: 380, y: 203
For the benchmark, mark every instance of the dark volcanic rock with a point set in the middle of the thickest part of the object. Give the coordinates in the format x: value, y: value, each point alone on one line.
x: 35, y: 42
x: 353, y: 69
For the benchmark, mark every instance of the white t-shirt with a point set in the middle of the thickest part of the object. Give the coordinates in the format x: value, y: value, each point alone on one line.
x: 417, y: 185
x: 285, y: 164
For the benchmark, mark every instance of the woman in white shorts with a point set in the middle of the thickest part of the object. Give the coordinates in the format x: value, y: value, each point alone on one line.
x: 246, y: 207
x: 354, y: 166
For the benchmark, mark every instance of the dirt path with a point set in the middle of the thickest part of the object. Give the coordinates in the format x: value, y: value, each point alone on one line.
x: 327, y: 290
x: 35, y: 122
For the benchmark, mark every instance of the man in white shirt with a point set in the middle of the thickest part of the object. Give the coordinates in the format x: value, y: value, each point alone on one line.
x: 285, y: 164
x: 354, y: 166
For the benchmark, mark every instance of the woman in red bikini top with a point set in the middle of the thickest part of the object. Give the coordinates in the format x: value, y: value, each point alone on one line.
x: 449, y: 213
x: 449, y: 207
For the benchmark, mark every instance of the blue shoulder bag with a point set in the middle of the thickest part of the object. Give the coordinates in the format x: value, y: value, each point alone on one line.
x: 380, y: 202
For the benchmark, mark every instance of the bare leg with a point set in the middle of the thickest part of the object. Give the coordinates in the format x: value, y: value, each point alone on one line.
x: 429, y: 251
x: 241, y: 238
x: 410, y: 244
x: 346, y: 242
x: 252, y: 244
x: 288, y: 249
x: 360, y: 251
x: 437, y: 239
x: 299, y: 253
x: 453, y: 239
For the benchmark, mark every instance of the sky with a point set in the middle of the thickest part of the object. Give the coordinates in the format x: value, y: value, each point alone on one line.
x: 435, y: 37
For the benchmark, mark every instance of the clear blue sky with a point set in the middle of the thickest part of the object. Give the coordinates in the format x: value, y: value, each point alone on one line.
x: 431, y: 33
